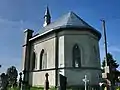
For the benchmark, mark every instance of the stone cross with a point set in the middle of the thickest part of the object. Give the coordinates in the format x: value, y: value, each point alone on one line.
x: 20, y: 80
x: 46, y: 82
x: 85, y: 80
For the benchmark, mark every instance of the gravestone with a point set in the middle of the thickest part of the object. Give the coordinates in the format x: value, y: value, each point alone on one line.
x: 62, y: 82
x: 4, y: 82
x: 46, y: 87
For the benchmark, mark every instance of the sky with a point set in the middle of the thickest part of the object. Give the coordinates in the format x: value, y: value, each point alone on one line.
x: 18, y: 15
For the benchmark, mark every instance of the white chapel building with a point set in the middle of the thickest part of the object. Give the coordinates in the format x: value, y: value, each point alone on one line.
x: 68, y: 46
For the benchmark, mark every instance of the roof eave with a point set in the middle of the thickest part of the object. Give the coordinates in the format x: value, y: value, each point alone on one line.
x: 66, y: 27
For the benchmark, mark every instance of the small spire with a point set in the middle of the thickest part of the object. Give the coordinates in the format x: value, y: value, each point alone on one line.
x: 47, y: 17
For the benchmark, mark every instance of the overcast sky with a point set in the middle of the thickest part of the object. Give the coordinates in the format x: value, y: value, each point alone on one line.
x: 17, y: 15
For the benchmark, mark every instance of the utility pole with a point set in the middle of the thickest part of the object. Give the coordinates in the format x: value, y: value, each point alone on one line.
x: 105, y: 41
x: 85, y: 80
x: 107, y: 67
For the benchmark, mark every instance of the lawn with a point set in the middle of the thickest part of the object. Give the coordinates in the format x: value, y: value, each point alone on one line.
x: 41, y: 88
x: 32, y: 88
x: 118, y: 88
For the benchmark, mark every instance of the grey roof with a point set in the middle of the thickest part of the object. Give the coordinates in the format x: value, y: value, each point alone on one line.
x: 66, y: 21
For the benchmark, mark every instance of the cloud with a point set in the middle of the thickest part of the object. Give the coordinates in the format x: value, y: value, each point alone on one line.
x: 6, y: 23
x: 111, y: 49
x: 9, y: 30
x: 114, y: 49
x: 102, y: 52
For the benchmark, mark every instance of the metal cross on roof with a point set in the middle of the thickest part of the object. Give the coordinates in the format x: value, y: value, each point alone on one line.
x: 85, y: 80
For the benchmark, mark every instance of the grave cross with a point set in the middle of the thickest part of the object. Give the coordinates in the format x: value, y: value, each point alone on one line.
x: 85, y: 80
x: 46, y: 82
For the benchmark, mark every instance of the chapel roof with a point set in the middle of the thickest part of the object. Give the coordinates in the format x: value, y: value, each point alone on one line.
x: 69, y: 20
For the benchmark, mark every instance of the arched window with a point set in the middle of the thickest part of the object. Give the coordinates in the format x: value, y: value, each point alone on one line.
x: 41, y: 56
x: 76, y: 56
x: 95, y: 53
x: 34, y: 61
x: 44, y: 62
x: 43, y: 59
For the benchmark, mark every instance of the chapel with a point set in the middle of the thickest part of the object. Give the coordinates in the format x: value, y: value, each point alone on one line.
x: 68, y: 46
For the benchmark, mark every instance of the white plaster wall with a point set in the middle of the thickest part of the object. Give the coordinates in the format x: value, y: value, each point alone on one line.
x: 94, y: 57
x: 39, y: 78
x: 82, y: 41
x: 75, y: 77
x: 49, y: 47
x: 67, y: 39
x: 61, y: 54
x: 48, y: 44
x: 86, y: 41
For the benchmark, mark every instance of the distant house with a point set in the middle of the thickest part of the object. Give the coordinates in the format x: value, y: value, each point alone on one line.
x: 68, y: 46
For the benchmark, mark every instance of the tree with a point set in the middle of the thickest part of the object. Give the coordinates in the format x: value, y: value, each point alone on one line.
x: 4, y: 82
x: 12, y: 74
x: 111, y: 62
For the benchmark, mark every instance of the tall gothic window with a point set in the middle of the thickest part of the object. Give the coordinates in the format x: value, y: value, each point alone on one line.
x: 41, y: 55
x: 95, y: 53
x: 44, y: 62
x: 34, y: 61
x: 76, y: 56
x: 43, y: 59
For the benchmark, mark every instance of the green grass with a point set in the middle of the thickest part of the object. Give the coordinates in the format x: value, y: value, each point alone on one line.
x: 41, y: 88
x: 36, y: 88
x: 32, y: 88
x: 118, y: 88
x: 13, y: 88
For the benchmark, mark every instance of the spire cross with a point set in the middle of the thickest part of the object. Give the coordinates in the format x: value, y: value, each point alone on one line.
x: 47, y: 17
x: 85, y: 80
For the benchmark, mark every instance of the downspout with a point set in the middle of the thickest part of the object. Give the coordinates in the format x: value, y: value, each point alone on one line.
x: 56, y: 58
